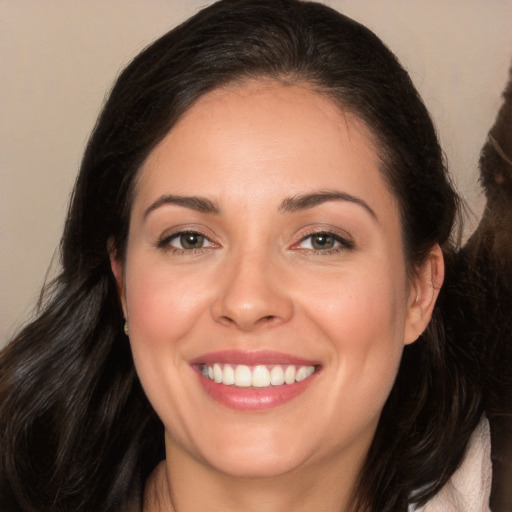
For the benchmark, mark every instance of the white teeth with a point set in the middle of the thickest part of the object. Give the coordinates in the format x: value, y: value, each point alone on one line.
x: 243, y: 377
x: 277, y: 376
x: 289, y: 375
x: 228, y: 376
x: 217, y: 373
x: 300, y: 375
x: 259, y: 376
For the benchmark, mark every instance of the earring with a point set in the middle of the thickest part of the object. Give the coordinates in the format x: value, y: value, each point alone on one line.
x: 126, y: 330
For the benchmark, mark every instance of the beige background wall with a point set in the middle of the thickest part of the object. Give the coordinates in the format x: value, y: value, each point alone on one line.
x: 59, y: 57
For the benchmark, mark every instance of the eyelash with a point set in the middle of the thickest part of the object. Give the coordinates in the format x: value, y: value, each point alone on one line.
x: 341, y: 243
x: 165, y: 242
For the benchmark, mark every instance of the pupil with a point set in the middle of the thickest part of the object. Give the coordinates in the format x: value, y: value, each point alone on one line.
x: 322, y: 241
x: 191, y: 241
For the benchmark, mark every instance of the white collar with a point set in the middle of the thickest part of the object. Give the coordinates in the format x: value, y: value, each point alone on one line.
x: 469, y: 488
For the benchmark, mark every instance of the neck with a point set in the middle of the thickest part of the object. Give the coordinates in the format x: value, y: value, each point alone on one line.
x: 182, y: 484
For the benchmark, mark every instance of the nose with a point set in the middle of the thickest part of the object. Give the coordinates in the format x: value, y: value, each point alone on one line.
x: 251, y: 294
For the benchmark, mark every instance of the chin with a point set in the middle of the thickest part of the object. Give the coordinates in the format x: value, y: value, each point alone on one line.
x: 260, y: 455
x: 264, y: 466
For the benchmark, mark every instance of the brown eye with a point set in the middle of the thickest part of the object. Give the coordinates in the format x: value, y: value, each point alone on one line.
x: 186, y: 241
x: 322, y: 241
x: 325, y: 242
x: 191, y: 241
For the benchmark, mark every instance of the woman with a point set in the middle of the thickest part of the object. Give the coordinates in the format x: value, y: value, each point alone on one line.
x: 246, y: 316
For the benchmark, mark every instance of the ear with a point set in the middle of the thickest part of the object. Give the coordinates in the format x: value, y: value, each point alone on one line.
x: 425, y: 287
x: 116, y: 265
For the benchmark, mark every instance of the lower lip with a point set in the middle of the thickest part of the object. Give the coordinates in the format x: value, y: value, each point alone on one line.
x: 254, y: 399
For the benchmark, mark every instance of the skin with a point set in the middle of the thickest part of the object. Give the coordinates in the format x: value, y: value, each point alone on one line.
x: 258, y: 283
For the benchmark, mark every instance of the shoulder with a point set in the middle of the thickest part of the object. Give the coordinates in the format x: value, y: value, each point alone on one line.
x: 469, y: 487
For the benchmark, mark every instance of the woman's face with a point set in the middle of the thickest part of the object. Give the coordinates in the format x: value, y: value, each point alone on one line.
x: 264, y: 283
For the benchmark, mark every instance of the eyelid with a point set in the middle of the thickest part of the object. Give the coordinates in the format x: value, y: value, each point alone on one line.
x: 343, y: 238
x: 178, y: 236
x: 163, y: 241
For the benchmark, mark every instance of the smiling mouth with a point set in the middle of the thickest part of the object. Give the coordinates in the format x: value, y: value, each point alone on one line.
x: 257, y: 376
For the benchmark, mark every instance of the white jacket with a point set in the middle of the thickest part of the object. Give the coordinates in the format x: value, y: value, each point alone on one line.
x: 469, y: 488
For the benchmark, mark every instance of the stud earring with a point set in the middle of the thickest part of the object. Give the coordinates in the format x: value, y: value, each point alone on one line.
x: 126, y: 330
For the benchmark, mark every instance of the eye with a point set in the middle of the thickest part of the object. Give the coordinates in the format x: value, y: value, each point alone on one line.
x: 186, y: 241
x: 324, y: 241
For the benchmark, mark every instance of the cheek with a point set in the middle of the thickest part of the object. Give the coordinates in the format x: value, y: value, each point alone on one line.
x: 162, y: 306
x: 363, y: 319
x: 359, y: 310
x: 163, y: 309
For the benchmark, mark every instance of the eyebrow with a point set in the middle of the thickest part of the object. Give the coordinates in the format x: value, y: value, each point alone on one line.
x: 306, y: 201
x: 199, y: 204
x: 289, y: 205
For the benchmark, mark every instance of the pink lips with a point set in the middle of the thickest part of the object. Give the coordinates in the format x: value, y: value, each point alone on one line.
x: 250, y: 398
x: 251, y: 358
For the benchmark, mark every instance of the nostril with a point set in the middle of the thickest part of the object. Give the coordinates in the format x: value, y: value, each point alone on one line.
x: 248, y: 324
x: 226, y: 320
x: 250, y: 306
x: 263, y: 319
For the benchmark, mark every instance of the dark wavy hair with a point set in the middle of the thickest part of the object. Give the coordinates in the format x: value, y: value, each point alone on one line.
x: 76, y: 430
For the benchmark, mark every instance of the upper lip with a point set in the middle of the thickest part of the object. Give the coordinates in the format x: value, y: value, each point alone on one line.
x: 252, y: 358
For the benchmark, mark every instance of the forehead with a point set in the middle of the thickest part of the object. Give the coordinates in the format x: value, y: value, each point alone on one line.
x: 263, y: 137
